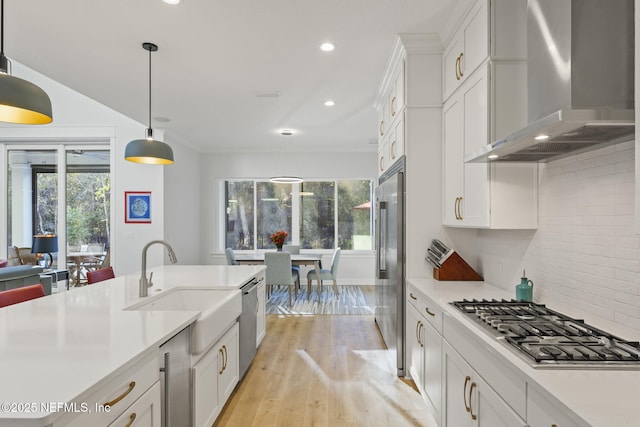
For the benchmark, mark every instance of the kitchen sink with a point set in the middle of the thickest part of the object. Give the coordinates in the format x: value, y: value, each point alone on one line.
x: 218, y: 309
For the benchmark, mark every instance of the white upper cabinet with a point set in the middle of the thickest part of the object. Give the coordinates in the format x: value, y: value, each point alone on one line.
x: 485, y: 100
x: 467, y: 50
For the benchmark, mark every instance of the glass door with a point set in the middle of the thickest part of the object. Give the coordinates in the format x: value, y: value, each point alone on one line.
x: 62, y: 193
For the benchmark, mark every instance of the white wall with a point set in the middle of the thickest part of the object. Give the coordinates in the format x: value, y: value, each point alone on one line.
x: 354, y: 268
x: 79, y: 117
x: 182, y: 207
x: 585, y: 253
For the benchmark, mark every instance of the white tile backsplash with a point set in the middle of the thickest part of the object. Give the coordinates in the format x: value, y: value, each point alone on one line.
x: 585, y: 253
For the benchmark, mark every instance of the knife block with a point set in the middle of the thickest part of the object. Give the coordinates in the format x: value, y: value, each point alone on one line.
x: 455, y: 268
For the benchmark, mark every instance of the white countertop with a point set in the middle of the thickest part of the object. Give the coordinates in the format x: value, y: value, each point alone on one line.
x: 603, y: 398
x: 57, y: 348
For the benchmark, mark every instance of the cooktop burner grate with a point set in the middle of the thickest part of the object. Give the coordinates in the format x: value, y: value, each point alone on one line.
x: 550, y: 338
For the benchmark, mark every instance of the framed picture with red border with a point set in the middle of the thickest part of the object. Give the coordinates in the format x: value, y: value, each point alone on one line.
x: 137, y: 207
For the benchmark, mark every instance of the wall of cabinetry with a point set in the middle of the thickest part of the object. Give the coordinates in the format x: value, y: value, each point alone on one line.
x: 484, y: 95
x: 409, y: 105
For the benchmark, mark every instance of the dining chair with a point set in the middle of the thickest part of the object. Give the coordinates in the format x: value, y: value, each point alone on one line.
x: 25, y: 293
x: 293, y: 250
x: 231, y: 257
x: 95, y: 276
x: 331, y: 274
x: 279, y: 272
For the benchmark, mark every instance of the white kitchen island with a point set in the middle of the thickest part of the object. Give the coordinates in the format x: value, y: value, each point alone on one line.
x: 579, y: 397
x: 63, y: 348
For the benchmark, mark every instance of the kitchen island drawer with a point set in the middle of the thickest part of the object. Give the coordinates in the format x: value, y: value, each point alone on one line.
x: 425, y: 306
x: 118, y: 393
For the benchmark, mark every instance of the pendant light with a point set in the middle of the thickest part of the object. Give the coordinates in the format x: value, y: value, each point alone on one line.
x: 149, y: 151
x: 286, y: 179
x: 21, y: 101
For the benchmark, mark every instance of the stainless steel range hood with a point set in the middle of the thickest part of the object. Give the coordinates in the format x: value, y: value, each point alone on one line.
x: 580, y: 81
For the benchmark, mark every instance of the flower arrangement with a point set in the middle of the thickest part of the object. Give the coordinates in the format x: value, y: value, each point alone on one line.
x: 279, y: 237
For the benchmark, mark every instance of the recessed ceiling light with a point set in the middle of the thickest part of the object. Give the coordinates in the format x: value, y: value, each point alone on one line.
x: 327, y: 47
x: 286, y: 132
x: 329, y: 103
x: 492, y: 156
x: 162, y: 119
x: 541, y: 137
x: 171, y: 1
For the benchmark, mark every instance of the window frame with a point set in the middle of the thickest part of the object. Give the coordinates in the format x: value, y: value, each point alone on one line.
x: 295, y: 214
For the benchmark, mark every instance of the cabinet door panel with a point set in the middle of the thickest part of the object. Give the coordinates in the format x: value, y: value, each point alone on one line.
x: 432, y: 365
x: 475, y: 203
x: 451, y: 70
x: 230, y: 371
x: 415, y: 349
x: 452, y: 160
x: 476, y: 38
x: 457, y: 382
x: 205, y: 386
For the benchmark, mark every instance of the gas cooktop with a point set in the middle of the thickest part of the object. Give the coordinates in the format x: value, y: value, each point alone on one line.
x: 550, y: 339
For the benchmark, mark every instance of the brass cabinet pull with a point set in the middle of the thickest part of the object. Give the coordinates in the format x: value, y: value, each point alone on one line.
x: 393, y: 106
x: 460, y: 208
x: 393, y: 150
x: 464, y: 393
x: 381, y: 162
x: 222, y: 356
x: 226, y: 357
x: 455, y: 208
x: 132, y: 418
x: 413, y: 297
x: 420, y: 334
x: 460, y: 65
x: 132, y: 384
x: 381, y: 127
x: 417, y: 333
x: 429, y: 312
x: 456, y: 66
x: 473, y: 416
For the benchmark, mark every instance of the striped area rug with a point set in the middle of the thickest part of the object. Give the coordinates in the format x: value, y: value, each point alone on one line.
x: 352, y: 299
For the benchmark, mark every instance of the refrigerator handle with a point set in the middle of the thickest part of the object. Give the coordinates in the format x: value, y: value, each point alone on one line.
x: 381, y: 256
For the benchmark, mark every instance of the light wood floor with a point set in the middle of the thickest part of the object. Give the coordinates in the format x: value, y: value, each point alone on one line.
x: 323, y: 371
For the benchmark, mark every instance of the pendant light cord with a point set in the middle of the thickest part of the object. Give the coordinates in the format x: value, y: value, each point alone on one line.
x: 2, y: 27
x: 149, y: 86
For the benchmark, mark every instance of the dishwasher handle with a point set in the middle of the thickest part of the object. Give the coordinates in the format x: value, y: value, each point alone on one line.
x: 249, y: 287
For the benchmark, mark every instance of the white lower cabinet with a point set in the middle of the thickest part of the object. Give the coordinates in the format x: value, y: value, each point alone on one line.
x: 469, y: 400
x: 144, y: 412
x: 261, y: 325
x: 215, y: 376
x: 425, y: 349
x: 542, y: 413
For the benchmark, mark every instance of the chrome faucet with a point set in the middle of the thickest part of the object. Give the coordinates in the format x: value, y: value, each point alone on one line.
x: 147, y: 283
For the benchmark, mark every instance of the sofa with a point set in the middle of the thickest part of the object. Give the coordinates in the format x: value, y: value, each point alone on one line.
x: 23, y: 275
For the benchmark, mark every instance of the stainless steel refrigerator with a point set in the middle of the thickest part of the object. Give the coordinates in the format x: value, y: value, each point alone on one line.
x: 389, y: 284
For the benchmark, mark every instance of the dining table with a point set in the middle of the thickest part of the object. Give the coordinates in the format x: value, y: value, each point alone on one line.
x: 79, y: 260
x: 315, y: 260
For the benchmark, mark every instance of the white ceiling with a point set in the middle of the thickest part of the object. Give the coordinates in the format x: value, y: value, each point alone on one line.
x: 214, y: 55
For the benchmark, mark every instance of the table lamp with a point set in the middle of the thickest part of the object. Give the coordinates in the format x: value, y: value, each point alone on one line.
x: 45, y: 244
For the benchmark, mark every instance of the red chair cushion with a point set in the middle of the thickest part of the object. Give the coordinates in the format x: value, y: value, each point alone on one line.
x: 100, y: 275
x: 26, y: 293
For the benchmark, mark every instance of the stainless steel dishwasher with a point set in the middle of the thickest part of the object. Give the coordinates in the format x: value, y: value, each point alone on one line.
x: 175, y: 380
x: 248, y: 324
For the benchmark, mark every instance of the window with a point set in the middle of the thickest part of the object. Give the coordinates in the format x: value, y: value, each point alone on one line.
x: 48, y: 188
x: 316, y: 214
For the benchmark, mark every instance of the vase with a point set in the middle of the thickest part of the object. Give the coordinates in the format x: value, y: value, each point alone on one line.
x: 279, y: 248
